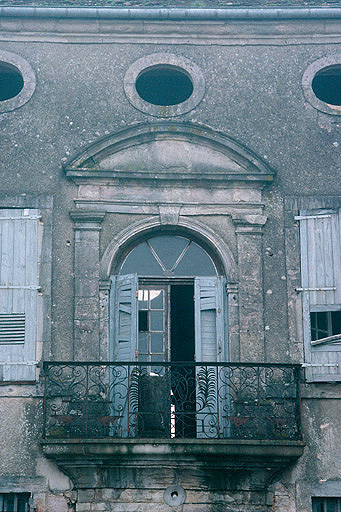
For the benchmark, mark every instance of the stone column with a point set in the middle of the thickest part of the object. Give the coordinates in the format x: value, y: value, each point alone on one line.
x: 249, y: 230
x: 86, y: 313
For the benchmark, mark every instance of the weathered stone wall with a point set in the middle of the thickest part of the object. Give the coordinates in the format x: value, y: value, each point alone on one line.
x: 253, y: 94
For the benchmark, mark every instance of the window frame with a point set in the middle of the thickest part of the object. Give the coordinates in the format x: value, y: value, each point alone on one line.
x: 325, y: 503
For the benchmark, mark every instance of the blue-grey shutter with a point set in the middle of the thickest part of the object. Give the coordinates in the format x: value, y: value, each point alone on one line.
x: 123, y: 305
x: 210, y: 346
x: 125, y: 318
x: 321, y: 286
x: 209, y: 319
x: 18, y: 293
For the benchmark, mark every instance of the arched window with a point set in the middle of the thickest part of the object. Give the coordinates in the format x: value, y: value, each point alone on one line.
x: 168, y: 256
x: 168, y: 303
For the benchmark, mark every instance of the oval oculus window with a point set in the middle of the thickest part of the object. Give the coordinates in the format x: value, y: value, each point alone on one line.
x: 326, y: 85
x: 11, y: 81
x: 164, y: 85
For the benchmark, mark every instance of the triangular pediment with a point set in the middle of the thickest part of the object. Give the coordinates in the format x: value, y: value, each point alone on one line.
x: 170, y: 151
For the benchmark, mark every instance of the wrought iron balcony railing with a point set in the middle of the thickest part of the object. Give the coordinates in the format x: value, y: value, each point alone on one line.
x: 172, y: 400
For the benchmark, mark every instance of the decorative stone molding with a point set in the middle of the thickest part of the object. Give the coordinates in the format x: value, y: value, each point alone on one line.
x: 125, y: 238
x: 163, y: 60
x: 307, y: 79
x: 249, y: 224
x: 28, y: 76
x: 178, y: 152
x: 89, y: 220
x: 169, y: 214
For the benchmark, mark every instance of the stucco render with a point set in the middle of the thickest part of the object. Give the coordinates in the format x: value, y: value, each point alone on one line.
x: 254, y: 96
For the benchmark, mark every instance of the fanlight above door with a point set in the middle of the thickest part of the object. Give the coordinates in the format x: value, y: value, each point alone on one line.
x: 168, y: 256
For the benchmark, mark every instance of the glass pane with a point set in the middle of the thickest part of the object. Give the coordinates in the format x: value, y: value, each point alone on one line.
x: 143, y: 299
x: 9, y: 502
x: 336, y: 322
x: 156, y: 299
x: 331, y: 505
x: 318, y: 505
x: 22, y: 501
x: 168, y: 248
x: 143, y: 342
x: 157, y: 343
x: 195, y: 262
x: 156, y: 321
x: 142, y: 262
x: 322, y: 321
x: 313, y: 320
x: 143, y: 321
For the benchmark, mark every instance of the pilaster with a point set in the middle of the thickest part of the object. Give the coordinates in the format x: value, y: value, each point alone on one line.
x: 249, y: 230
x: 86, y: 313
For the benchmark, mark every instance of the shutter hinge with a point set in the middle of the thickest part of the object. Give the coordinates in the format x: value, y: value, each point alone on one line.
x: 319, y: 365
x: 321, y: 289
x: 26, y: 217
x: 26, y: 363
x: 20, y: 287
x: 305, y: 217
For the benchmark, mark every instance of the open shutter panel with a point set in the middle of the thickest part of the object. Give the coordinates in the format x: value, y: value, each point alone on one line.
x: 321, y: 286
x: 18, y: 293
x: 209, y: 347
x: 209, y: 319
x: 125, y: 318
x: 123, y: 300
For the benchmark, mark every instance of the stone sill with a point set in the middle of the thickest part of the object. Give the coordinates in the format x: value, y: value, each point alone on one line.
x: 287, y: 449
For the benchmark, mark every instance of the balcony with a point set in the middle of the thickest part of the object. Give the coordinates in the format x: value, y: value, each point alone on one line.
x: 171, y: 400
x: 237, y: 416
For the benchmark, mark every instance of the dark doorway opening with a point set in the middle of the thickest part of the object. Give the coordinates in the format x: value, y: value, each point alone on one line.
x: 182, y: 323
x: 183, y: 350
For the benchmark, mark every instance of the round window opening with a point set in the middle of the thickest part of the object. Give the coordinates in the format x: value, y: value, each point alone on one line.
x: 164, y: 85
x: 11, y: 81
x: 326, y: 85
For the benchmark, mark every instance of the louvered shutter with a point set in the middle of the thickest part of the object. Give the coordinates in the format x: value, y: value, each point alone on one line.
x: 209, y: 347
x: 123, y: 300
x: 321, y: 286
x: 18, y: 293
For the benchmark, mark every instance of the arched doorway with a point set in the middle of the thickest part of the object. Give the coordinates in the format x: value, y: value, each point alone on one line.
x: 168, y: 303
x: 168, y: 313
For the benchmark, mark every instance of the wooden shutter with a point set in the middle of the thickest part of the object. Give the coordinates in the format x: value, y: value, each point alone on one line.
x: 209, y: 347
x: 18, y: 293
x: 209, y: 319
x: 125, y: 318
x: 321, y: 286
x: 123, y: 305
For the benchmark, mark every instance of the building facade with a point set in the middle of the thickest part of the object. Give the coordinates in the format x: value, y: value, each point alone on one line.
x: 170, y: 273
